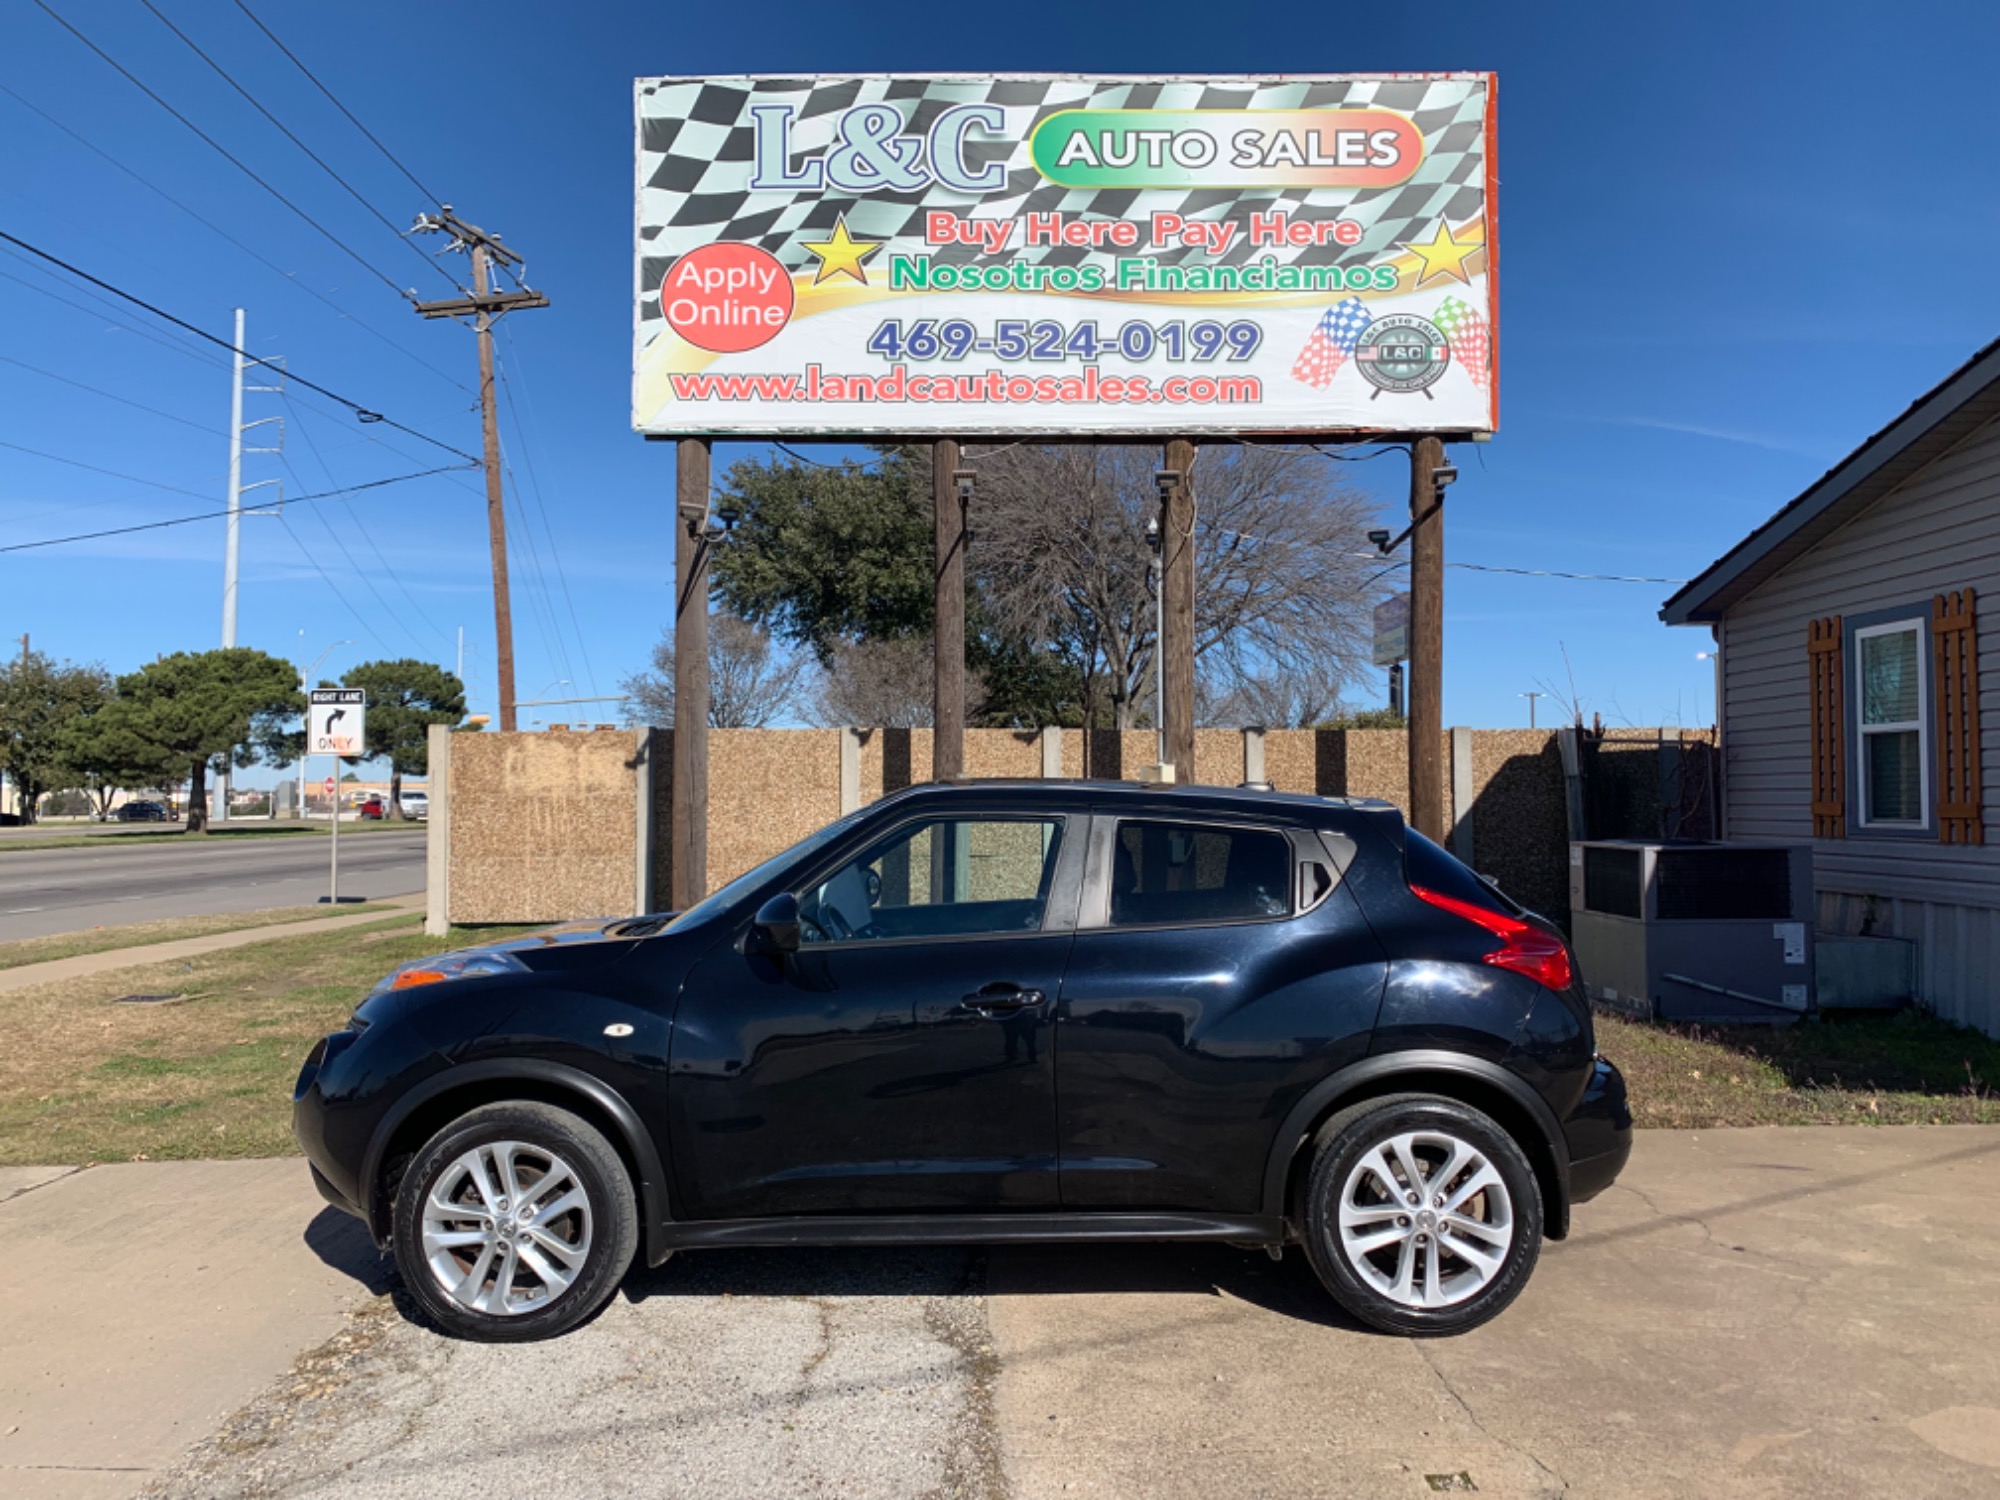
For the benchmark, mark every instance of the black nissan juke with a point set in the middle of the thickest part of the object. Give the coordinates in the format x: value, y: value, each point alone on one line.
x: 985, y: 1012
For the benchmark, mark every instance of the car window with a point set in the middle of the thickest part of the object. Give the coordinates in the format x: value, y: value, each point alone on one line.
x: 1192, y: 872
x: 726, y: 896
x: 947, y: 877
x: 1427, y: 865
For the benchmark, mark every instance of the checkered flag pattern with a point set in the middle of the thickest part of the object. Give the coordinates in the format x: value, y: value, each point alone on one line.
x: 696, y: 157
x: 1466, y: 332
x: 1331, y: 344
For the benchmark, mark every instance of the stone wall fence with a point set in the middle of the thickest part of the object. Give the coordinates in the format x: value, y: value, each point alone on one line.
x: 559, y: 825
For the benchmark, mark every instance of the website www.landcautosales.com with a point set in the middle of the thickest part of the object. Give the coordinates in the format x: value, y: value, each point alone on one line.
x: 900, y: 384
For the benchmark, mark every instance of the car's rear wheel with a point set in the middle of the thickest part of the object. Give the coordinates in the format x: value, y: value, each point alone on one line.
x: 515, y: 1222
x: 1421, y: 1214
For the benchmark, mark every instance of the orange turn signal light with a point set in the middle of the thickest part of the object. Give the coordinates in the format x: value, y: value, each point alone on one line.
x: 410, y: 978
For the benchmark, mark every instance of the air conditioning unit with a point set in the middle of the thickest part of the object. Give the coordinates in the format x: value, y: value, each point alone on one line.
x: 1695, y: 931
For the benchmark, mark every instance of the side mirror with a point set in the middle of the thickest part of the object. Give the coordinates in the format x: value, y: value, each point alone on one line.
x: 777, y: 924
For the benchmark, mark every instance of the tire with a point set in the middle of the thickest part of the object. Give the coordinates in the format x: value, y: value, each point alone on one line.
x: 493, y: 1263
x: 1421, y: 1269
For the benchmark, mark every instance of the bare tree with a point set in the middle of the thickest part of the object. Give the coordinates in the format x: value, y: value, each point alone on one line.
x: 1285, y: 695
x: 1281, y: 581
x: 884, y: 684
x: 751, y: 683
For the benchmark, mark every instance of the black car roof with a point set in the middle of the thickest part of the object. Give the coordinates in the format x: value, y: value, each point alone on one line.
x: 1153, y: 796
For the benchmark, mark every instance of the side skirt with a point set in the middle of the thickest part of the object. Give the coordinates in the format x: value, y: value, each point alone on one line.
x: 1249, y: 1230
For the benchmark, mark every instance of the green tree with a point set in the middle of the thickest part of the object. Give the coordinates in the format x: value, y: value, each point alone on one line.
x: 405, y: 698
x: 40, y: 704
x: 827, y: 557
x: 110, y: 754
x: 197, y: 708
x: 824, y: 555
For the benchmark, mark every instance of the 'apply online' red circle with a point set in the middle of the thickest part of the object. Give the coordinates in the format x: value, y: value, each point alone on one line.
x: 727, y: 298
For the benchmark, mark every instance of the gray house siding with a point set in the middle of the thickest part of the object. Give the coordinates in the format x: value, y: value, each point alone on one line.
x: 1939, y: 530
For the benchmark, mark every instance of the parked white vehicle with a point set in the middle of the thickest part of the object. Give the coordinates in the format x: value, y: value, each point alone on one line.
x: 416, y: 805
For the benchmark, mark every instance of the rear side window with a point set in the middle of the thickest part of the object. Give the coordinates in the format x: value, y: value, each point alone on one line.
x: 1425, y: 864
x: 1191, y: 872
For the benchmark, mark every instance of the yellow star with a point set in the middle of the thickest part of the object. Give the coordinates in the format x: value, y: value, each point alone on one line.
x: 1443, y: 256
x: 841, y: 255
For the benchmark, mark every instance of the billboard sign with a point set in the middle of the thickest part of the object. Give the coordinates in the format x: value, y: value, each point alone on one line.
x: 1392, y: 630
x: 335, y: 722
x: 959, y: 255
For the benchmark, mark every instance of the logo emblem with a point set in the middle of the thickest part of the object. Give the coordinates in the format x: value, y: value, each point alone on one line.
x: 1402, y: 353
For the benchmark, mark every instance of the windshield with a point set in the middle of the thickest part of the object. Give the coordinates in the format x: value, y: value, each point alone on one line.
x: 749, y: 880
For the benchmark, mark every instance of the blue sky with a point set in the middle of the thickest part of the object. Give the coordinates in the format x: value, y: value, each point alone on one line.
x: 1735, y: 239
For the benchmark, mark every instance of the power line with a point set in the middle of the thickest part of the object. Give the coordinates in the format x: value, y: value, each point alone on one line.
x: 77, y: 463
x: 272, y: 266
x: 338, y: 105
x: 352, y: 192
x: 356, y: 407
x: 150, y: 335
x: 1550, y: 573
x: 217, y: 515
x: 113, y: 396
x: 535, y: 483
x: 367, y: 533
x: 224, y: 152
x: 366, y: 624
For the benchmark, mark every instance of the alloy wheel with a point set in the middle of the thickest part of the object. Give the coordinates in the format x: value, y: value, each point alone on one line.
x: 1425, y: 1219
x: 506, y: 1228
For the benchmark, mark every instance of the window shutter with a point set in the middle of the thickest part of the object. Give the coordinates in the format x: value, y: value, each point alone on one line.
x: 1829, y: 728
x: 1955, y: 660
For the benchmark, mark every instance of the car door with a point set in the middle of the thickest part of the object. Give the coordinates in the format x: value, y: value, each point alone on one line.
x: 902, y: 1060
x: 1219, y: 969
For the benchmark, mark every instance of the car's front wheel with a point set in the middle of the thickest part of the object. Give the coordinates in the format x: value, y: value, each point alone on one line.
x: 515, y: 1222
x: 1421, y: 1214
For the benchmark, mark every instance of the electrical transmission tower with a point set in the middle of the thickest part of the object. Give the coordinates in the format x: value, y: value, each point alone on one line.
x: 483, y: 306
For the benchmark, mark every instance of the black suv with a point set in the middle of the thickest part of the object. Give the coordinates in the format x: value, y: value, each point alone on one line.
x: 987, y: 1012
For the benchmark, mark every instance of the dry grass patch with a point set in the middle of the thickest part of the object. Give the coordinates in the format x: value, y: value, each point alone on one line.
x: 209, y: 1073
x: 1902, y: 1069
x: 42, y: 950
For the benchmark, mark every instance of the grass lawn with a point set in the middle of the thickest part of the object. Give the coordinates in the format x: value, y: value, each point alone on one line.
x: 85, y: 1078
x: 43, y: 950
x: 1901, y: 1069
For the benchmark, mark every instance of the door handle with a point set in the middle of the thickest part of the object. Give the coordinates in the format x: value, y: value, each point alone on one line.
x: 995, y: 1000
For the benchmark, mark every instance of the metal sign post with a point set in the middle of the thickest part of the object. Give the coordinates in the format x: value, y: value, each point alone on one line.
x: 336, y: 723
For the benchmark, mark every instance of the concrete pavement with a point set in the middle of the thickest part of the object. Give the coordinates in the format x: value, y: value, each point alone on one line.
x: 45, y: 891
x: 1750, y: 1313
x: 1755, y: 1313
x: 27, y: 976
x: 150, y: 1300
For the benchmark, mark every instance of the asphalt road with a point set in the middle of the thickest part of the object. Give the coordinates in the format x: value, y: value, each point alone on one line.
x: 66, y: 890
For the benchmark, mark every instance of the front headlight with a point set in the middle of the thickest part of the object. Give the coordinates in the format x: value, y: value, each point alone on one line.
x: 471, y: 963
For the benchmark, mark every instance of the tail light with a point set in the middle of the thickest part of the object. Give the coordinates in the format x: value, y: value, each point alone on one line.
x: 1524, y: 947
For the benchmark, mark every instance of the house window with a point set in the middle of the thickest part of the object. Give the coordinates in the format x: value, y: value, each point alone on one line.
x: 1893, y: 714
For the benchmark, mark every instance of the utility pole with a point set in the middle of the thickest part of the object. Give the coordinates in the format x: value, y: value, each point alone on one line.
x: 1531, y: 697
x: 483, y: 306
x: 690, y: 780
x: 951, y: 492
x: 1429, y: 474
x: 1176, y: 483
